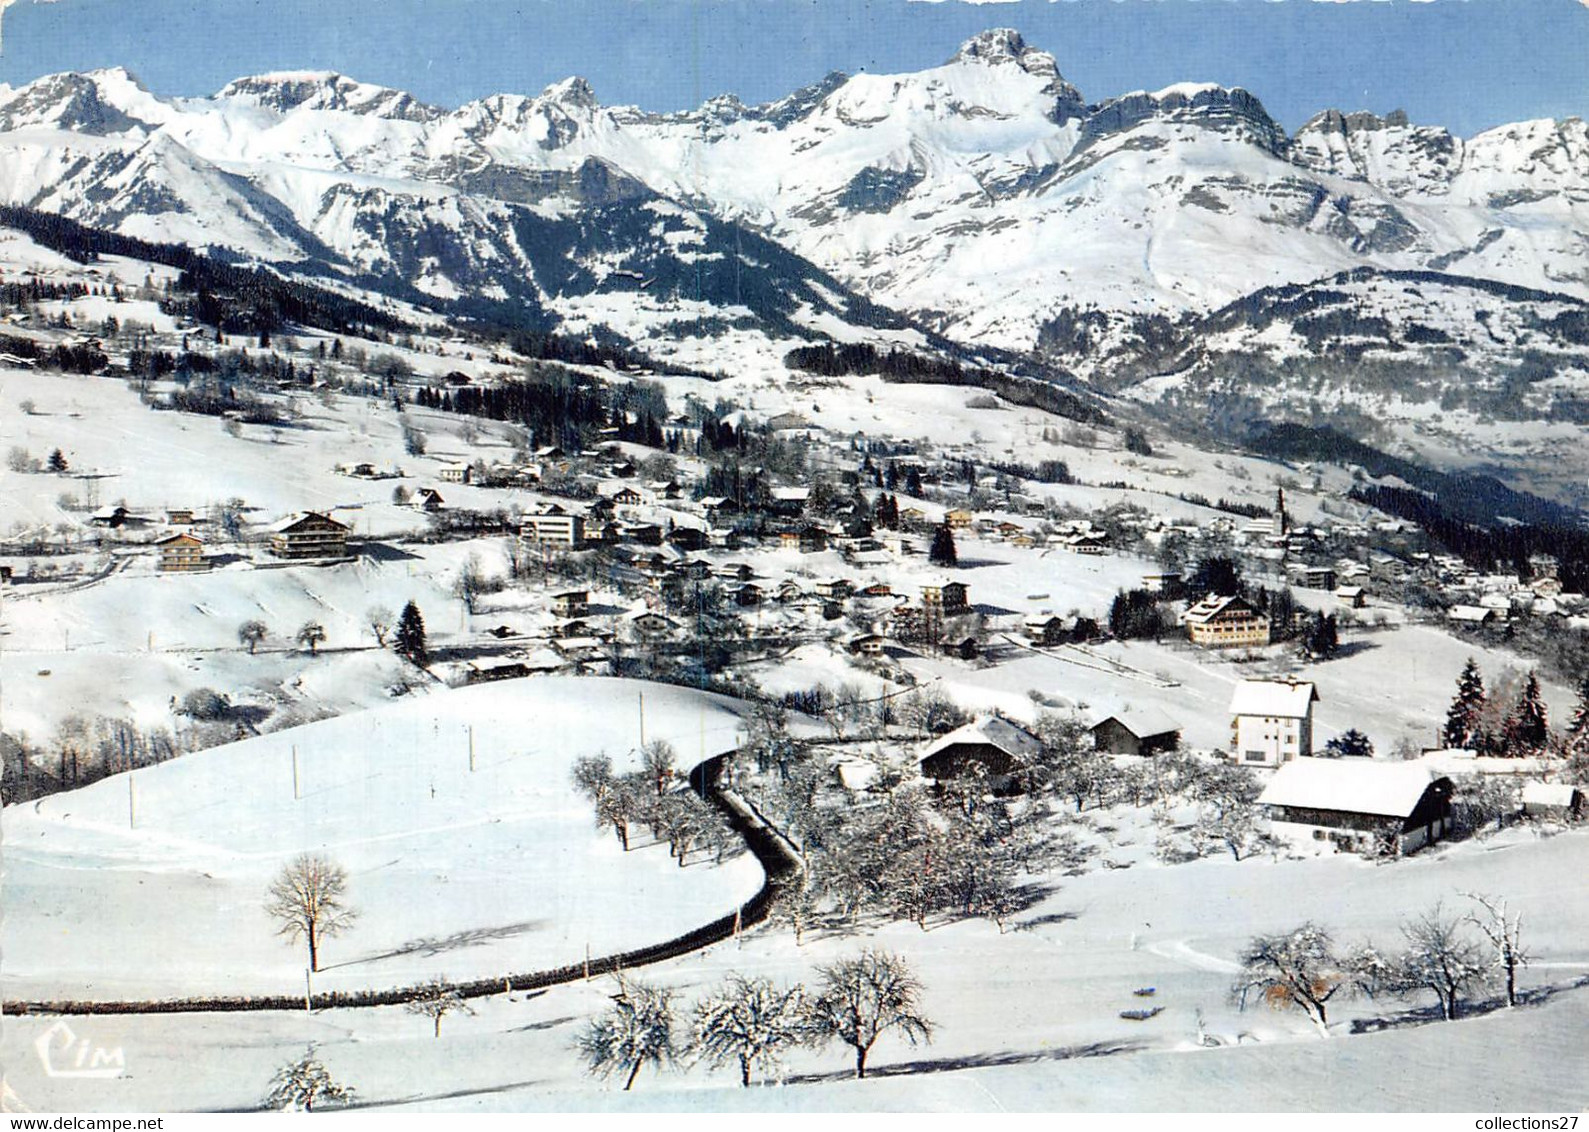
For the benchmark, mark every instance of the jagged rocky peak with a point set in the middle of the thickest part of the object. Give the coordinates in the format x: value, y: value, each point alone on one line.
x: 284, y: 91
x: 1222, y: 109
x: 1389, y: 151
x: 802, y: 102
x: 572, y: 91
x: 1358, y: 121
x: 88, y: 103
x: 1005, y: 45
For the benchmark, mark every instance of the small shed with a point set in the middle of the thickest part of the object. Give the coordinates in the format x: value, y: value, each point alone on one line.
x: 965, y: 648
x: 1553, y: 801
x: 1136, y: 731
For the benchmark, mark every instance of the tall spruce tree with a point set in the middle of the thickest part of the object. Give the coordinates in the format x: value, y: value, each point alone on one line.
x: 943, y: 547
x: 1463, y: 729
x: 1527, y: 728
x: 410, y: 639
x: 1577, y: 734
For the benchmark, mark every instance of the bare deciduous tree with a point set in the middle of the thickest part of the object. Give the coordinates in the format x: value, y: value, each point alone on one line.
x: 1296, y: 968
x: 471, y: 583
x: 251, y: 633
x: 637, y: 1029
x: 751, y: 1022
x: 303, y: 1084
x: 1504, y: 931
x: 437, y: 999
x: 660, y: 761
x: 307, y: 901
x: 380, y: 621
x: 311, y: 634
x: 1439, y: 958
x: 863, y: 998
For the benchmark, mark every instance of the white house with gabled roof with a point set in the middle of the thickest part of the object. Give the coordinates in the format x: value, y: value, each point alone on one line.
x: 1272, y: 721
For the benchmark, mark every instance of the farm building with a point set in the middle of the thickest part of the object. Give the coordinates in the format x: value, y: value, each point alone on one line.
x: 1136, y: 731
x: 997, y: 744
x: 1363, y: 806
x: 1272, y: 721
x: 428, y: 499
x: 1048, y: 629
x: 965, y: 648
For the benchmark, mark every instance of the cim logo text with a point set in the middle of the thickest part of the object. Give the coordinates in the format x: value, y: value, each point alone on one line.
x: 64, y: 1054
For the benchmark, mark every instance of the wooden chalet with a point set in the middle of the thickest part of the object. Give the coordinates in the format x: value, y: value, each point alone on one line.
x: 310, y: 535
x: 181, y: 553
x: 571, y: 603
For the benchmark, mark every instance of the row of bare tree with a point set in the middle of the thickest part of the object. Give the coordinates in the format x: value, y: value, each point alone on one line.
x: 1442, y: 953
x: 752, y: 1023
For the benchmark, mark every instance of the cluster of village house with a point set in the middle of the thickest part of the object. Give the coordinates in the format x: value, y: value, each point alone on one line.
x: 623, y: 518
x: 1360, y: 805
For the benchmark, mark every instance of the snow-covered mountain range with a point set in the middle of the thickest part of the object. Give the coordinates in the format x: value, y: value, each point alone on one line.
x: 985, y: 198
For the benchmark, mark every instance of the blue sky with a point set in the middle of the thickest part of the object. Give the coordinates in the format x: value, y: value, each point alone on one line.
x: 1465, y: 64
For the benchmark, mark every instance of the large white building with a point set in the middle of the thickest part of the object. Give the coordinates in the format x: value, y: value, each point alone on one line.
x: 1272, y: 721
x: 554, y: 526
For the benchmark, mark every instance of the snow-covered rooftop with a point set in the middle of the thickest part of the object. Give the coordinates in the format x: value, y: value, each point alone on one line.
x: 1014, y: 741
x: 1363, y: 786
x: 1141, y: 721
x: 1283, y: 699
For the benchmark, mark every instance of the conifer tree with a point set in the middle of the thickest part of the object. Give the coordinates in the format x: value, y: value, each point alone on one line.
x: 1577, y: 736
x: 1462, y: 729
x: 943, y: 547
x: 1527, y: 728
x: 410, y: 640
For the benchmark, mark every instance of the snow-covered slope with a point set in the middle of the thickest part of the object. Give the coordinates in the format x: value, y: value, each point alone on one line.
x: 456, y: 868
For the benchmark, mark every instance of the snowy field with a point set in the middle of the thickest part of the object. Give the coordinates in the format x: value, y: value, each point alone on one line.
x: 1025, y: 1020
x: 467, y: 874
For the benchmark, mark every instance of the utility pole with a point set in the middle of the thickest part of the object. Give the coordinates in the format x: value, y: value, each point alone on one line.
x: 471, y: 748
x: 132, y: 803
x: 295, y: 791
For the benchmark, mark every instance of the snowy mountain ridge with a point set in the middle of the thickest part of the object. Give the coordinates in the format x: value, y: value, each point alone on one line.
x: 904, y: 187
